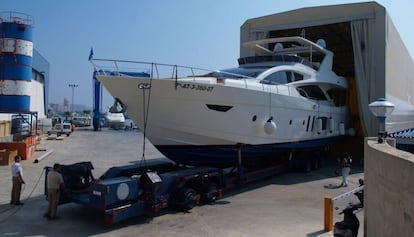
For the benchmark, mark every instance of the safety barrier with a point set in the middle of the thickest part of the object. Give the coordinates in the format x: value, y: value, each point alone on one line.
x: 328, y: 207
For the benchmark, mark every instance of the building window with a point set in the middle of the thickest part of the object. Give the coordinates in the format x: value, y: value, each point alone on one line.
x: 38, y: 76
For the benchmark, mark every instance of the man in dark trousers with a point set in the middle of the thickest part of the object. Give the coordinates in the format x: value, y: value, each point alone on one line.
x: 17, y: 177
x: 54, y: 183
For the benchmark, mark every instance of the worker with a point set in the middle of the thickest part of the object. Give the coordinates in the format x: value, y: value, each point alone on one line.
x: 54, y: 185
x: 346, y: 168
x: 17, y: 178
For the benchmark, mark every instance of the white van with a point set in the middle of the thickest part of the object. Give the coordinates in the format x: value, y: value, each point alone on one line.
x: 61, y: 128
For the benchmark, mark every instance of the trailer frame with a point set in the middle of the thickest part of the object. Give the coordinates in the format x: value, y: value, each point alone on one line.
x: 133, y: 190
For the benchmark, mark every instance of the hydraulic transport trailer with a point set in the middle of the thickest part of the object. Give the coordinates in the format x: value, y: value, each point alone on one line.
x: 150, y: 186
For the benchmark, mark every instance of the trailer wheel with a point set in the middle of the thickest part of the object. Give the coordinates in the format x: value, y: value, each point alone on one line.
x: 210, y: 193
x: 186, y: 199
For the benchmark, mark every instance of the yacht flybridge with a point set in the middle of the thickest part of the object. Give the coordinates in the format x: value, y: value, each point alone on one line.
x: 275, y: 101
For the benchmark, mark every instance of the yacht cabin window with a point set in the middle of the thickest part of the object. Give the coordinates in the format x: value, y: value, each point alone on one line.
x: 312, y: 92
x: 282, y: 77
x: 237, y: 73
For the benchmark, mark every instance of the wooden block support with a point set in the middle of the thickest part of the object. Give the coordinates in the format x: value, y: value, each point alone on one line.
x: 328, y: 213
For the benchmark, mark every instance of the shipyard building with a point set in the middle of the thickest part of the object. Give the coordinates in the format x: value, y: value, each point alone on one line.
x: 368, y: 50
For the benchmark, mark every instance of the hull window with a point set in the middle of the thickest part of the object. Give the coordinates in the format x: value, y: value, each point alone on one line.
x: 220, y: 108
x: 307, y: 126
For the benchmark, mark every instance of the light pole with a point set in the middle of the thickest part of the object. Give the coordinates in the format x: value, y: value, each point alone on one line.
x: 381, y: 109
x: 73, y: 86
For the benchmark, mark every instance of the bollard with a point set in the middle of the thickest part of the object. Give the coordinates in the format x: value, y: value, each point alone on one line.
x: 328, y: 213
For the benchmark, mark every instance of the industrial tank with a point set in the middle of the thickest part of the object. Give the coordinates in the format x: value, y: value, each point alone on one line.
x: 16, y: 51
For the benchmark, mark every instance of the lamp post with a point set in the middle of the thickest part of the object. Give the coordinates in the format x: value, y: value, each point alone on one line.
x: 73, y: 86
x: 381, y: 108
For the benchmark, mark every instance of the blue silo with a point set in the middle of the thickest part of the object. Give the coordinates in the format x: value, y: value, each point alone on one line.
x: 16, y: 51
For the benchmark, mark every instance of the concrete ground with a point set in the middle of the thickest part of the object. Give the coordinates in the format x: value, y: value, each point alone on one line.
x: 289, y: 204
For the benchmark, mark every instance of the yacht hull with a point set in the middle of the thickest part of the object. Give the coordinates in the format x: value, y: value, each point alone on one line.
x: 200, y: 121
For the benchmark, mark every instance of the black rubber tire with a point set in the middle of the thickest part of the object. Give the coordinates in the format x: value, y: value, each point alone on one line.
x: 211, y: 187
x: 186, y: 199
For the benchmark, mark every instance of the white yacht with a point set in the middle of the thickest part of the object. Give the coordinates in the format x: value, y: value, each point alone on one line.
x: 276, y: 101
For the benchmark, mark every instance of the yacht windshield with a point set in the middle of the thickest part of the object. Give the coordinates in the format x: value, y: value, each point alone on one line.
x: 236, y: 73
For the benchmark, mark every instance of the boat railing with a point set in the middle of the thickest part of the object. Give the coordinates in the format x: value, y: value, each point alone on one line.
x: 155, y: 70
x: 126, y: 68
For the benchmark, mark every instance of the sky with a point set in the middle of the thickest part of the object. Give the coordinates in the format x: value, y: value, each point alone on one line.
x: 204, y: 34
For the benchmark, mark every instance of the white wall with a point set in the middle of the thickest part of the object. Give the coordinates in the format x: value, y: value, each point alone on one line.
x: 389, y: 190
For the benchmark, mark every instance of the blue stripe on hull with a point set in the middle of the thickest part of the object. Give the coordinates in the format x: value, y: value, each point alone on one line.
x: 14, y: 104
x: 227, y: 155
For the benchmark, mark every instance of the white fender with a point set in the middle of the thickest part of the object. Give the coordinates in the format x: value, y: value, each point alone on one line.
x: 319, y: 124
x: 270, y: 127
x: 331, y: 124
x: 342, y: 128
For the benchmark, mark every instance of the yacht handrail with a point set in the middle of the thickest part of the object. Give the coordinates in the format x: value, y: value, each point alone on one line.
x: 115, y: 61
x: 155, y: 67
